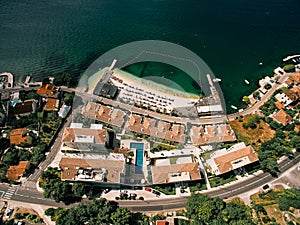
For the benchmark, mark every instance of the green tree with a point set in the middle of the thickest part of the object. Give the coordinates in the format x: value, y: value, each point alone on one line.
x: 246, y: 100
x: 295, y: 142
x: 80, y: 189
x: 268, y: 163
x: 121, y: 216
x: 289, y: 68
x: 268, y: 86
x: 288, y: 198
x: 203, y: 208
x: 49, y: 212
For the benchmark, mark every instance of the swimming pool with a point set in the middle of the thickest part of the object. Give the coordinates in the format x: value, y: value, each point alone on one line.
x: 139, y: 158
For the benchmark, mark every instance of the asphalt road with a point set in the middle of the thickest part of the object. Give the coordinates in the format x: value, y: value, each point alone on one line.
x: 31, y: 195
x: 259, y: 103
x: 223, y: 192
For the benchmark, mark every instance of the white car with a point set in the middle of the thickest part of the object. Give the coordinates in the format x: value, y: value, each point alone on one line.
x: 9, y: 212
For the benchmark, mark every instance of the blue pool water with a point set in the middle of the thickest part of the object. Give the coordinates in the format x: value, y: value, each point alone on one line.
x: 139, y: 153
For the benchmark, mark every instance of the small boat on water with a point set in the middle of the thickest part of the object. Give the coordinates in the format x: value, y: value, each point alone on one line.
x: 247, y: 82
x: 260, y: 63
x: 234, y: 107
x: 217, y: 80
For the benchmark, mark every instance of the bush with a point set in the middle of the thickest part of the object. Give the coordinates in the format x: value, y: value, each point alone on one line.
x: 289, y: 68
x: 18, y: 216
x: 268, y: 86
x: 49, y: 212
x: 141, y: 198
x: 30, y: 217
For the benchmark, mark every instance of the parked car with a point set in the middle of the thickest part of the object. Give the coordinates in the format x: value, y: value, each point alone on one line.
x: 107, y: 190
x: 133, y: 195
x: 156, y: 192
x: 148, y: 189
x: 9, y: 212
x: 266, y: 188
x: 138, y: 188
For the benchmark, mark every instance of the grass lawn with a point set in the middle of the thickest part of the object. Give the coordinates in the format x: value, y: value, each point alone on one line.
x: 255, y: 136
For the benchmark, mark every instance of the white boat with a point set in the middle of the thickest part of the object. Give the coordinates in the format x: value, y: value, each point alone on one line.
x: 247, y: 82
x: 234, y: 107
x: 260, y: 63
x: 217, y: 80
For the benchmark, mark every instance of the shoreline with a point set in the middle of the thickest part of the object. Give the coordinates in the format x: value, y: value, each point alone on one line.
x: 153, y: 85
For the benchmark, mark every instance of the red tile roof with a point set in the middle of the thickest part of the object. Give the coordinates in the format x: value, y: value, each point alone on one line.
x: 70, y: 167
x: 279, y: 105
x: 20, y: 136
x: 282, y: 117
x: 154, y: 128
x: 71, y: 133
x: 161, y: 174
x: 47, y: 90
x: 104, y: 114
x: 52, y: 104
x: 15, y: 172
x: 294, y: 78
x: 212, y: 134
x: 224, y: 162
x: 161, y: 222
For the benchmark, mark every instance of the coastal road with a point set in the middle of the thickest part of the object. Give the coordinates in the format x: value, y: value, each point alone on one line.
x: 19, y: 89
x: 226, y: 191
x: 54, y: 149
x: 131, y: 108
x: 185, y: 120
x: 30, y: 195
x: 259, y: 103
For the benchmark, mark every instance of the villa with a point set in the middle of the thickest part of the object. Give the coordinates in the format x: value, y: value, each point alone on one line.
x: 156, y: 128
x: 21, y: 137
x: 175, y: 173
x: 93, y: 168
x: 48, y: 90
x: 24, y: 108
x: 211, y: 134
x: 226, y: 160
x: 93, y: 139
x: 104, y: 114
x: 52, y: 104
x: 293, y: 79
x: 283, y: 99
x: 15, y: 172
x: 282, y: 117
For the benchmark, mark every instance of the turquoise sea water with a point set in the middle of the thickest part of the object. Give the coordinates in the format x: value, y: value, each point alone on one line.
x: 232, y: 37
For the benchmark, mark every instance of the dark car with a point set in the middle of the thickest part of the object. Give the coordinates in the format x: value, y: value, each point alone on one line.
x: 156, y: 192
x: 266, y: 186
x: 138, y: 188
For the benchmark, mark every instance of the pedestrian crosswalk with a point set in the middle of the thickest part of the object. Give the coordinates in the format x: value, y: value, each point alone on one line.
x: 30, y: 184
x: 10, y: 192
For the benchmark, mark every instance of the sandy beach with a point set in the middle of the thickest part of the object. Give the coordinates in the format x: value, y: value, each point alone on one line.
x: 145, y: 92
